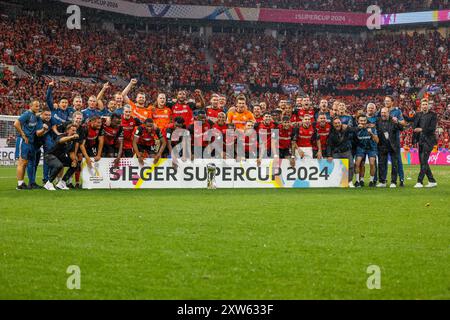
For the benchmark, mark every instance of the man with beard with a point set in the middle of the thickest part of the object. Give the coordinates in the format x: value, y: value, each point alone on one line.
x: 257, y: 113
x: 323, y: 129
x: 213, y: 110
x: 182, y: 108
x: 139, y: 110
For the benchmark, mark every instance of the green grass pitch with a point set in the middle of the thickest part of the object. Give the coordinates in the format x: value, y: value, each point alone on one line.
x: 226, y: 244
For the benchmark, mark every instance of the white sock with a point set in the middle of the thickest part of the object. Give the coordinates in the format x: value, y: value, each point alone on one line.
x: 372, y: 178
x: 357, y: 177
x: 57, y: 179
x: 20, y: 182
x: 361, y: 179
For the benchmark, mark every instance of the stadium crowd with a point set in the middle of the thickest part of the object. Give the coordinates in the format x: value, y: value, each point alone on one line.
x: 377, y: 65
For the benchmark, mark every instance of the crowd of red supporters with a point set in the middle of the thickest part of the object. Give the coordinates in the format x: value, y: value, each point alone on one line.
x: 388, y: 6
x: 323, y: 65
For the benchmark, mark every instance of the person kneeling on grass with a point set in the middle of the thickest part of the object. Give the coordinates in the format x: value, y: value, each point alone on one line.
x: 60, y: 156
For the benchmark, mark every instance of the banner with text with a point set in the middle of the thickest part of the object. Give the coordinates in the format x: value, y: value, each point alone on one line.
x: 229, y: 174
x: 440, y: 157
x: 206, y: 12
x: 7, y: 156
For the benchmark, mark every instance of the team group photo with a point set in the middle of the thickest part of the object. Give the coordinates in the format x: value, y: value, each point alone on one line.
x: 224, y: 150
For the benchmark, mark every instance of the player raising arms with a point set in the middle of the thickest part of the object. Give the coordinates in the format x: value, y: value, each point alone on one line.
x: 92, y: 140
x: 138, y: 110
x: 148, y: 142
x: 128, y: 125
x: 366, y: 146
x: 102, y: 110
x: 113, y: 139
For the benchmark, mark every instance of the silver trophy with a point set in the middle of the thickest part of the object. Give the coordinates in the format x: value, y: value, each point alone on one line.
x: 212, y: 170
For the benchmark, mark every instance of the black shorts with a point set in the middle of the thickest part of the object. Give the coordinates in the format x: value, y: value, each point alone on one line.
x: 285, y: 153
x: 91, y: 151
x: 110, y: 151
x: 149, y: 151
x: 127, y: 153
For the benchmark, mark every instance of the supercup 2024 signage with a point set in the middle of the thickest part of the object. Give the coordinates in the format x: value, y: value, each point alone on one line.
x: 270, y: 173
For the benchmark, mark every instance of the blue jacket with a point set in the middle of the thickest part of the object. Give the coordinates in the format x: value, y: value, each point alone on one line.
x: 59, y: 116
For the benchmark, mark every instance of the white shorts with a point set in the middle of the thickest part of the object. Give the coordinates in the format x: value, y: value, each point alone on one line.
x: 307, y: 151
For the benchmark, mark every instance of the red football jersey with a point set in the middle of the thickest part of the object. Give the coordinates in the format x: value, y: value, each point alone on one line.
x: 146, y: 137
x: 302, y: 112
x: 305, y: 137
x: 285, y: 136
x: 112, y: 136
x: 200, y: 133
x: 265, y: 130
x: 211, y: 114
x: 323, y: 133
x: 184, y: 111
x: 128, y: 128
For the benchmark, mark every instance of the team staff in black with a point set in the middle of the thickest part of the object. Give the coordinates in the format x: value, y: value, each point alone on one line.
x: 388, y: 129
x: 425, y: 123
x: 339, y: 145
x: 60, y: 156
